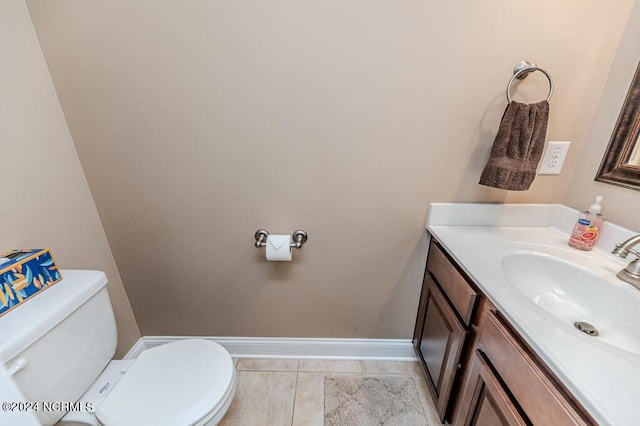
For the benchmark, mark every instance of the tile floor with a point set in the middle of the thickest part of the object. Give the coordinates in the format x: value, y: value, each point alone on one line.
x: 282, y: 392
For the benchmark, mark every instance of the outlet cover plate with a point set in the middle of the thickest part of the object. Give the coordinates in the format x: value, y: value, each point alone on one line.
x: 553, y: 157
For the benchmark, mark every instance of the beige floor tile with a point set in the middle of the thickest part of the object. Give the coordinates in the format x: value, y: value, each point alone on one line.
x: 390, y: 367
x: 262, y: 399
x: 259, y: 364
x: 427, y: 401
x: 235, y: 361
x: 321, y: 365
x: 270, y: 392
x: 309, y: 403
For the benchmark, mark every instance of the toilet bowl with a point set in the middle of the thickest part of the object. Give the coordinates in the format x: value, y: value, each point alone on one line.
x: 187, y: 382
x: 58, y: 347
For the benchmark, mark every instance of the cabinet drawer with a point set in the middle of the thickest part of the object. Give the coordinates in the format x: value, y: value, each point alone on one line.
x: 538, y: 395
x: 460, y: 293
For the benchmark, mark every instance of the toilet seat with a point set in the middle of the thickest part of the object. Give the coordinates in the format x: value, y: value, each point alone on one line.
x: 178, y: 383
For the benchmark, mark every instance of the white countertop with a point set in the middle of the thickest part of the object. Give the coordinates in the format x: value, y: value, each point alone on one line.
x: 604, y: 379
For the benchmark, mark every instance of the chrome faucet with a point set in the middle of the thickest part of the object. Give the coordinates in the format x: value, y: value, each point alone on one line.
x: 630, y: 274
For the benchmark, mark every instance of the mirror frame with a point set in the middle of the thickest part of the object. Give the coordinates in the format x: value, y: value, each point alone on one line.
x: 614, y: 169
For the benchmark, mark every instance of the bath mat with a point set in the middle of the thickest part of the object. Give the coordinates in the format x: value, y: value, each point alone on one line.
x: 372, y: 400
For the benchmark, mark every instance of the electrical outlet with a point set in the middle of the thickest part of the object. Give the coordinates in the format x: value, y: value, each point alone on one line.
x: 553, y: 157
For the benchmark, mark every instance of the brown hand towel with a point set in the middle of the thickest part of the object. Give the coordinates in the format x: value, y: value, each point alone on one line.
x: 518, y: 147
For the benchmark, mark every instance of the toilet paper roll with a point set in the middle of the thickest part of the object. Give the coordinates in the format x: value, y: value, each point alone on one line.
x: 278, y: 247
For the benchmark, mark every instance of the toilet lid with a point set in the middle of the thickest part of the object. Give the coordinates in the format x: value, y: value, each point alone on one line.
x: 173, y: 384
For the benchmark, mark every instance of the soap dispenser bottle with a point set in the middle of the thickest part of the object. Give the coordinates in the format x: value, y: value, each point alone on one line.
x: 588, y: 227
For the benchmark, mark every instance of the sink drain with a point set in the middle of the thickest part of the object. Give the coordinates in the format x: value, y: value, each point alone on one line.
x: 586, y: 328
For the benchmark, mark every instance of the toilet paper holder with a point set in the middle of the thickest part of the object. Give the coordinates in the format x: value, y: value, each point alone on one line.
x: 299, y: 237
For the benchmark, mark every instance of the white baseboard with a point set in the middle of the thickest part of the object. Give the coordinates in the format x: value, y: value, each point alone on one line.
x: 259, y: 347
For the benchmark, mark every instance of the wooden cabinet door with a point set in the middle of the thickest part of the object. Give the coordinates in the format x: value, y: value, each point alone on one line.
x: 542, y: 396
x: 485, y: 401
x: 438, y: 343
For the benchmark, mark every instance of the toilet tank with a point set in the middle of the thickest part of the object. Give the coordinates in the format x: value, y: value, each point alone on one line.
x: 63, y: 338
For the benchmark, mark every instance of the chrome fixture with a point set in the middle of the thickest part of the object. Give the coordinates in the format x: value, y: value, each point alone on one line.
x: 522, y: 70
x: 299, y: 238
x: 630, y: 274
x: 586, y: 328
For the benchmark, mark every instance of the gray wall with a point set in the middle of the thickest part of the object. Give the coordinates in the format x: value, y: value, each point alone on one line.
x: 199, y: 122
x: 621, y: 205
x: 45, y: 197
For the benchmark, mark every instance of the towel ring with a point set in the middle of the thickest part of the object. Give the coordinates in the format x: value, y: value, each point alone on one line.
x: 521, y: 71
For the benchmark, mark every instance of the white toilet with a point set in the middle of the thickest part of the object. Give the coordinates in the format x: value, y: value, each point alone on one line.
x: 56, y: 347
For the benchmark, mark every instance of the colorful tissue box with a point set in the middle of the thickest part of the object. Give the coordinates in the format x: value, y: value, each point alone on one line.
x: 23, y: 274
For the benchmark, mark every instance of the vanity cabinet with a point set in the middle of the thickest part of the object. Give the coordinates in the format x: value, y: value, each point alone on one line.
x: 446, y: 307
x: 439, y: 344
x: 487, y: 401
x: 480, y: 371
x: 519, y: 386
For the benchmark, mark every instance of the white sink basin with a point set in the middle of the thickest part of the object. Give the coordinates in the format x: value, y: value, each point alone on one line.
x: 573, y: 287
